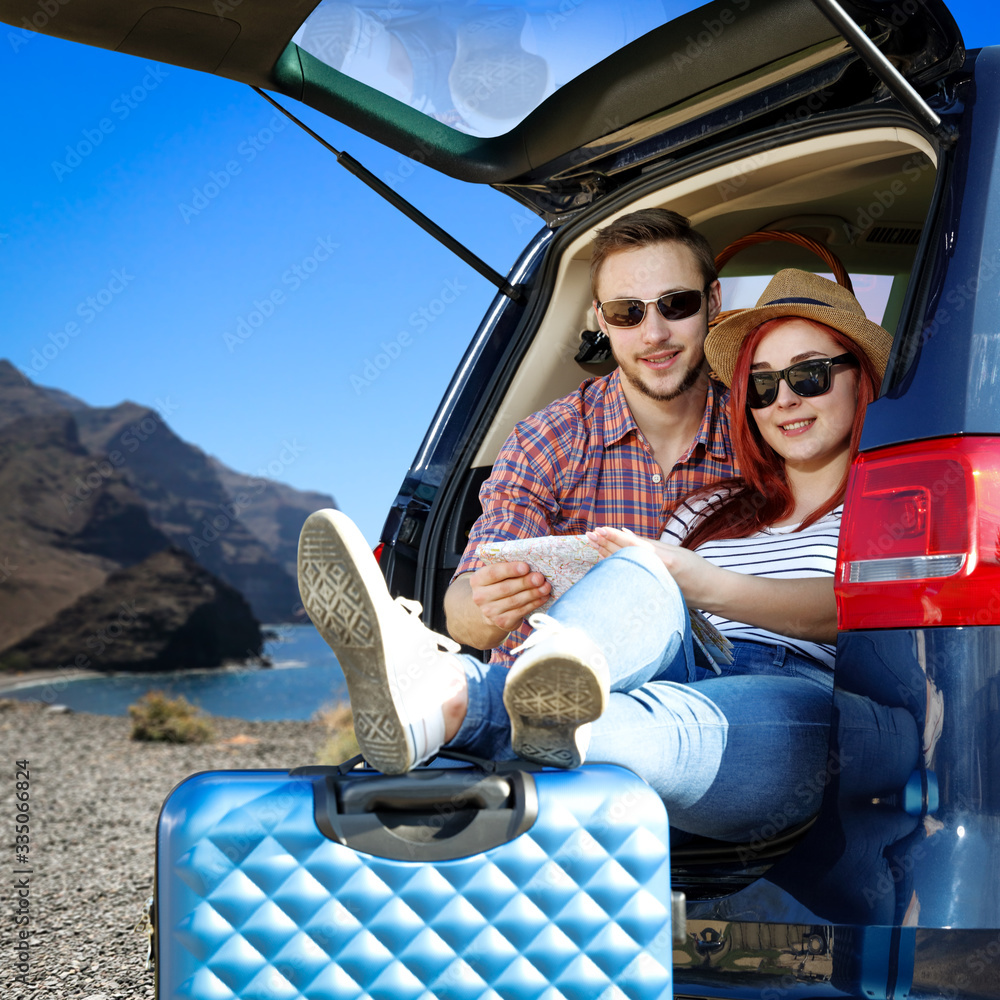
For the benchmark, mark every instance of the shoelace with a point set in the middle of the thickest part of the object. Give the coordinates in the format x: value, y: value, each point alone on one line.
x: 543, y: 625
x: 415, y: 609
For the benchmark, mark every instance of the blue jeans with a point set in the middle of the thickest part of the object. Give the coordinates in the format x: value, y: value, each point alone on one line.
x: 732, y: 756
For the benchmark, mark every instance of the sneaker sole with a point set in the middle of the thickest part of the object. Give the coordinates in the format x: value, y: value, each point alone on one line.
x: 337, y: 576
x: 547, y: 702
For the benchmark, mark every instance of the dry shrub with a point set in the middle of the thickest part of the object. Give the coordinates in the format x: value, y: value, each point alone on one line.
x: 341, y: 743
x: 157, y: 718
x: 14, y: 661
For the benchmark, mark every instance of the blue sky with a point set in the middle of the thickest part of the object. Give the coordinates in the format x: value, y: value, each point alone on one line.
x: 165, y: 238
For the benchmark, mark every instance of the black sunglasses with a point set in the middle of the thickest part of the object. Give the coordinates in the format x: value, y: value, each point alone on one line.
x: 807, y: 378
x: 630, y: 312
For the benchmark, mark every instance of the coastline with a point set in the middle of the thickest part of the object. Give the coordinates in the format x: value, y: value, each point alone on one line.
x: 29, y: 678
x: 296, y: 674
x: 273, y: 634
x: 95, y: 797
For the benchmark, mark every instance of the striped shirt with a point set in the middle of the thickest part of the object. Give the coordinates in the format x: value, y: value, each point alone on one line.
x: 582, y: 462
x: 781, y: 552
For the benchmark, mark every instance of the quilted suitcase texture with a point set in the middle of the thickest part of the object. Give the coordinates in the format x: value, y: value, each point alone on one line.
x: 451, y: 884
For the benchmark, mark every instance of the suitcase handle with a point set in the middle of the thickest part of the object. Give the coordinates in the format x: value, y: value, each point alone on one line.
x: 461, y: 790
x: 433, y: 814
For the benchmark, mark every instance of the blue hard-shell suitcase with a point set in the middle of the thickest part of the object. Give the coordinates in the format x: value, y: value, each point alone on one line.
x: 447, y: 883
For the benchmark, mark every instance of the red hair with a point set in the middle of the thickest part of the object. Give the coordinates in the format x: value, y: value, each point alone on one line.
x: 761, y: 496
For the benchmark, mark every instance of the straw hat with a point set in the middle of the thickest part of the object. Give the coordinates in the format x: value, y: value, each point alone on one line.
x: 799, y: 294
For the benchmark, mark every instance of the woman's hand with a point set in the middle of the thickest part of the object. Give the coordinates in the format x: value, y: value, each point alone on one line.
x: 696, y: 576
x: 799, y: 608
x: 608, y: 541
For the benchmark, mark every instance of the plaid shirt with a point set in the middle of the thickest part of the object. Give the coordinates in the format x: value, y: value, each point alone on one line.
x: 581, y: 463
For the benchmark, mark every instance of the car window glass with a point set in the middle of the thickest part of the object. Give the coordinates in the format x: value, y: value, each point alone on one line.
x: 479, y: 68
x: 871, y: 290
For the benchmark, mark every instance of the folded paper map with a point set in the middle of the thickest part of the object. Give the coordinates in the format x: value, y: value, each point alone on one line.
x: 565, y: 559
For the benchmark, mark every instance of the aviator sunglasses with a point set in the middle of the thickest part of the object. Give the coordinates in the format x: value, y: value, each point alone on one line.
x: 807, y: 378
x: 631, y: 312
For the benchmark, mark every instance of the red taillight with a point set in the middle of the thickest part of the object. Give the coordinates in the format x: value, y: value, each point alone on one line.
x: 377, y: 552
x: 920, y: 540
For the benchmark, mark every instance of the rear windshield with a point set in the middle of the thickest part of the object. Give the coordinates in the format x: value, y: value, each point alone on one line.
x: 873, y: 291
x: 478, y: 68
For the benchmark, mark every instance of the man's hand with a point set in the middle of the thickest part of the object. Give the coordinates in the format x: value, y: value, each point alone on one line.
x: 506, y: 593
x: 482, y: 607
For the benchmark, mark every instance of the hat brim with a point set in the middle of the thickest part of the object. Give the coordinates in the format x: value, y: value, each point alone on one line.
x: 722, y: 345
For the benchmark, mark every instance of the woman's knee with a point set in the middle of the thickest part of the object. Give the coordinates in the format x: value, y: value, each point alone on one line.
x: 646, y: 562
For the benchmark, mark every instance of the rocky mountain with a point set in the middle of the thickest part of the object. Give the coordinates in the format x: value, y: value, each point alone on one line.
x: 53, y: 550
x: 187, y: 501
x: 86, y: 491
x: 164, y: 613
x: 274, y: 513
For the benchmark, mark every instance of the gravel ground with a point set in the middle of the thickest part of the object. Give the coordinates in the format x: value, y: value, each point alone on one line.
x: 94, y: 800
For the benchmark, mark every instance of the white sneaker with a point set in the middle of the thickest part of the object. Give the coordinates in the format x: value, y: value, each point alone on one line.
x: 557, y: 686
x: 390, y: 659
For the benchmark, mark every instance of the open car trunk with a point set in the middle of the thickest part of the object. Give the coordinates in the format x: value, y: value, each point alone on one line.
x: 745, y: 116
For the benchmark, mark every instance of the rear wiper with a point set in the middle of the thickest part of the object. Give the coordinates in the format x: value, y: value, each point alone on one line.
x: 410, y: 211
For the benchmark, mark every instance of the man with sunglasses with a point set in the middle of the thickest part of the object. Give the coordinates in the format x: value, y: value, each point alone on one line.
x: 623, y: 448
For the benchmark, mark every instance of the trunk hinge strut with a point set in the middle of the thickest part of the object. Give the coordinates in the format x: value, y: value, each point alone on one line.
x: 410, y: 211
x: 873, y: 58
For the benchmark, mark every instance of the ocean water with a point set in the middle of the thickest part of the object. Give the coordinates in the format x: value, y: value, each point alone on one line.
x: 305, y: 678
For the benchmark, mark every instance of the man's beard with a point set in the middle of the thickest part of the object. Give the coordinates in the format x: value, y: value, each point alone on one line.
x: 689, y: 381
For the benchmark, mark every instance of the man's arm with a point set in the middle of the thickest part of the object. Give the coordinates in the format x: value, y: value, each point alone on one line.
x: 520, y: 499
x: 484, y: 606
